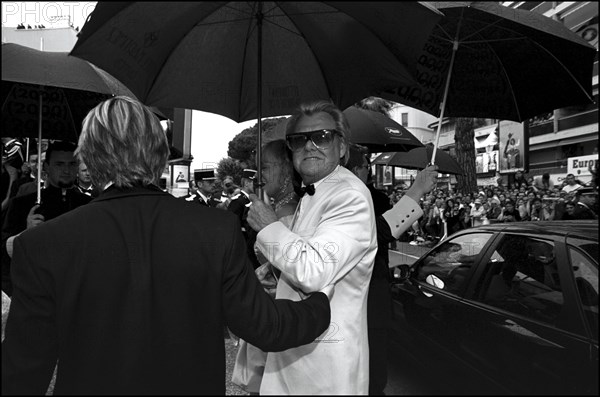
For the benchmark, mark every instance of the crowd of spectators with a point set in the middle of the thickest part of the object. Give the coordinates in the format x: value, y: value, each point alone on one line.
x: 536, y: 198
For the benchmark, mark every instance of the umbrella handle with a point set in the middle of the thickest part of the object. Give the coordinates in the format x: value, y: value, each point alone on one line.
x: 39, y: 152
x: 446, y: 88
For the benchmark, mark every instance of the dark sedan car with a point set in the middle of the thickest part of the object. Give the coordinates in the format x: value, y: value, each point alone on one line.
x: 505, y: 308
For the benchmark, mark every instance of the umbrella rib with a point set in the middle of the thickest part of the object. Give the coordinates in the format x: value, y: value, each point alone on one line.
x: 564, y: 68
x: 294, y: 14
x: 310, y: 47
x: 70, y: 113
x: 512, y: 91
x: 493, y: 40
x: 487, y: 26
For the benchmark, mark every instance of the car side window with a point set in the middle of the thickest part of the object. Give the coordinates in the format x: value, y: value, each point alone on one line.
x: 586, y: 281
x: 522, y: 277
x: 453, y: 261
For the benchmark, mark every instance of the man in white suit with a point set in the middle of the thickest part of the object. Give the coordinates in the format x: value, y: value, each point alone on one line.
x: 332, y: 241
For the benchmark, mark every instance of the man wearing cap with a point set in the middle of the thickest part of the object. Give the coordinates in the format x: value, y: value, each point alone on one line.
x: 477, y: 213
x: 239, y: 205
x: 205, y: 180
x: 240, y: 202
x: 495, y: 210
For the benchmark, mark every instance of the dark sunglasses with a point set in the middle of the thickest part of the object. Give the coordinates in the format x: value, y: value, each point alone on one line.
x: 320, y: 138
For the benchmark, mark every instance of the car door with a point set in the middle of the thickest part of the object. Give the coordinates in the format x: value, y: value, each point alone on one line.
x: 432, y: 301
x: 583, y: 256
x: 520, y: 329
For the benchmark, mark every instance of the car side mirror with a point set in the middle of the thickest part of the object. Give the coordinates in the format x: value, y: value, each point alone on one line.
x: 399, y: 274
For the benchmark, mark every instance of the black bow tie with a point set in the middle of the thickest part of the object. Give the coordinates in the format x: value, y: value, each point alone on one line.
x: 310, y: 189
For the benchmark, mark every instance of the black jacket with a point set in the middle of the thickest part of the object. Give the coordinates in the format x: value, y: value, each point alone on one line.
x: 130, y: 294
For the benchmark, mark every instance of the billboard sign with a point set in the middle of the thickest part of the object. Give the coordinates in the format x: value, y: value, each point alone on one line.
x: 513, y: 144
x: 579, y: 166
x: 486, y: 162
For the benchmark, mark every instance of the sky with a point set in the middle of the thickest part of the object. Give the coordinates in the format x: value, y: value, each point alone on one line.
x: 46, y: 12
x: 211, y: 133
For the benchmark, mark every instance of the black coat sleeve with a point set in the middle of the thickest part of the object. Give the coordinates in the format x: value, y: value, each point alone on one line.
x: 29, y: 359
x: 267, y: 323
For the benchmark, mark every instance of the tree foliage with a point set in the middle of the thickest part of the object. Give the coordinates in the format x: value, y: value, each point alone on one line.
x: 375, y: 104
x: 464, y: 138
x: 232, y: 167
x: 243, y: 146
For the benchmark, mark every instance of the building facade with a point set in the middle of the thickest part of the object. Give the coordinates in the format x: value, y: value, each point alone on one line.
x: 46, y: 39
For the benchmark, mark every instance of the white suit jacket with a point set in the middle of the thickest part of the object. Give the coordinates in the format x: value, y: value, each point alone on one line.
x: 333, y: 240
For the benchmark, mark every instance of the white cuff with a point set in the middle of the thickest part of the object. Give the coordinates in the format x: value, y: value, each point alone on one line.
x: 401, y: 217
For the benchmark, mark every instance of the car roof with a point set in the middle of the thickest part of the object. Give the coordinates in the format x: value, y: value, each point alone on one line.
x: 583, y: 228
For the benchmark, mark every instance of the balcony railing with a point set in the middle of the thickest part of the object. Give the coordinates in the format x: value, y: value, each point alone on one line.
x: 564, y: 123
x: 543, y: 128
x: 578, y: 120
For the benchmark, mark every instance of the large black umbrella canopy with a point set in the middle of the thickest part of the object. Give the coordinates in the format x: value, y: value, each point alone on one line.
x: 418, y: 159
x: 204, y: 55
x: 248, y: 60
x: 509, y: 64
x: 378, y: 132
x: 57, y: 69
x: 490, y: 61
x: 69, y: 88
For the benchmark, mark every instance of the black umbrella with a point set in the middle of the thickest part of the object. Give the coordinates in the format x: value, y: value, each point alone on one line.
x: 374, y: 130
x: 49, y: 94
x: 248, y: 60
x: 378, y: 132
x: 419, y: 158
x: 490, y: 61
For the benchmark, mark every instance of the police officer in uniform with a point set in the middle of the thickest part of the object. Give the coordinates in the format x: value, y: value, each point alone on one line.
x: 205, y: 181
x: 240, y: 204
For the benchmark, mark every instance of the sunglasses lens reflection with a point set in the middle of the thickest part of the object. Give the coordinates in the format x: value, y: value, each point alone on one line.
x: 321, y: 139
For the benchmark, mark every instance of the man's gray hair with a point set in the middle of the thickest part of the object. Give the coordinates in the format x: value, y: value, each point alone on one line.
x: 310, y: 108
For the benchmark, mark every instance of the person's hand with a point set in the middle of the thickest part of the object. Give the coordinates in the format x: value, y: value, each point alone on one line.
x: 34, y: 219
x: 260, y: 214
x: 424, y: 182
x: 267, y: 279
x: 26, y: 168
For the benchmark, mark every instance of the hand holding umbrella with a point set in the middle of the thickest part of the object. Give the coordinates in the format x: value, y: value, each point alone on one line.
x: 424, y: 182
